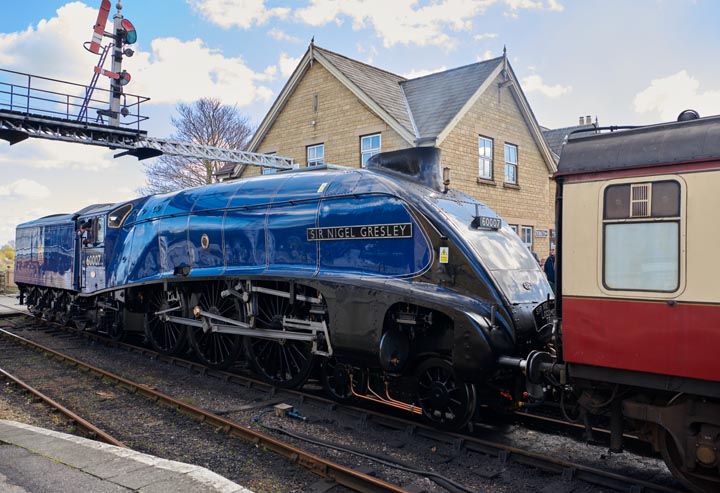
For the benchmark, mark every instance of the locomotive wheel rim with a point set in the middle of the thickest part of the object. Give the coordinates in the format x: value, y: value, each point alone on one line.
x: 214, y: 349
x: 445, y: 401
x: 284, y: 363
x: 336, y: 380
x: 166, y: 337
x: 674, y: 461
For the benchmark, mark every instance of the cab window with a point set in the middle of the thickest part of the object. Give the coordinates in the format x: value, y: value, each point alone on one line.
x: 116, y: 217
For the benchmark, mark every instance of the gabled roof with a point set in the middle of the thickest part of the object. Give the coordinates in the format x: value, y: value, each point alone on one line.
x: 421, y: 110
x: 378, y: 89
x: 379, y: 85
x: 435, y: 99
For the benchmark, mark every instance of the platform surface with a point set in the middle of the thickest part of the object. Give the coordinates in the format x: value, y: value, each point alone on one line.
x: 37, y: 460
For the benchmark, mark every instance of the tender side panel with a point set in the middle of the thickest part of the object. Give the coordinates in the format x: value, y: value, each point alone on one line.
x: 669, y: 322
x: 45, y: 255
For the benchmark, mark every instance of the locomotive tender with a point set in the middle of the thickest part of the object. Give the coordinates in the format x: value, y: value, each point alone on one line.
x: 401, y: 291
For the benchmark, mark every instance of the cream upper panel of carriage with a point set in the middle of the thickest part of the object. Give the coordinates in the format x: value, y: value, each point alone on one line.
x: 647, y: 237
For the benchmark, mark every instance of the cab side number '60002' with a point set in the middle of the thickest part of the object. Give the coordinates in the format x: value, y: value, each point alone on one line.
x: 94, y: 260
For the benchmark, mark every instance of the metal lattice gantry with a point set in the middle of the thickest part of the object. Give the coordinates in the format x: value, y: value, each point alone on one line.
x: 39, y: 107
x: 149, y: 146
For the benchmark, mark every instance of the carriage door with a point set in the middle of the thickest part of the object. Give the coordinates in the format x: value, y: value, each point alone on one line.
x: 92, y: 247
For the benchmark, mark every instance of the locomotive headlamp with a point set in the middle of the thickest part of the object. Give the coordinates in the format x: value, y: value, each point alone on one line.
x: 446, y: 178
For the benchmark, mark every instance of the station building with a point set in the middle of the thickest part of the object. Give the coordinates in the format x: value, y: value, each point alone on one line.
x: 337, y: 110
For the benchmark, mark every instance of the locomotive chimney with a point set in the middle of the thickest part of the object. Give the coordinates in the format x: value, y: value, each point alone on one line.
x: 582, y: 121
x: 588, y: 120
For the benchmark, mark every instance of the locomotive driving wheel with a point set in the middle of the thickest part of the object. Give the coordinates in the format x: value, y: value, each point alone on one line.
x: 337, y: 379
x: 446, y: 401
x: 216, y: 349
x: 282, y: 362
x: 165, y: 336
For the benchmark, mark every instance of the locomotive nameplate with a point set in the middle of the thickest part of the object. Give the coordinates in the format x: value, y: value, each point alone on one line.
x: 371, y: 231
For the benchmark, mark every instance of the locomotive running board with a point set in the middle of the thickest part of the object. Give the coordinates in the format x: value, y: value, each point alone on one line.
x: 230, y: 326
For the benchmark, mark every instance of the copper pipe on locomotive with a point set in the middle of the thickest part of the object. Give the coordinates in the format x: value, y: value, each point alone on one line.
x: 389, y: 401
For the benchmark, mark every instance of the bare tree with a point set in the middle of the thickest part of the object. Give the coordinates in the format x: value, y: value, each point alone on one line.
x: 207, y: 122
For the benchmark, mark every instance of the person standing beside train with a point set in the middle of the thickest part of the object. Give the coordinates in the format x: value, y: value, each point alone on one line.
x: 549, y: 268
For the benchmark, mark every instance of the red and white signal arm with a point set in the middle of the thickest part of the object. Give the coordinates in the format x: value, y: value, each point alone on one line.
x: 99, y: 27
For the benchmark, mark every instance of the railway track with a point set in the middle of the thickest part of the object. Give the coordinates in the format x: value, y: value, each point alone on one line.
x: 503, y: 455
x: 88, y: 429
x: 355, y: 480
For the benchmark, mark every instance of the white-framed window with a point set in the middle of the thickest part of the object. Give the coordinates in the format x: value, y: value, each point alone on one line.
x: 511, y: 163
x: 641, y: 236
x: 526, y: 235
x: 316, y: 155
x: 514, y: 227
x: 485, y: 158
x: 369, y: 146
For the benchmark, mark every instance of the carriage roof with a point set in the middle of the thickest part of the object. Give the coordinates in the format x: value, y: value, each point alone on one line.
x: 654, y: 145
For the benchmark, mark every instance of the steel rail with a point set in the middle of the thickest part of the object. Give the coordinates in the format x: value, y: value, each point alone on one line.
x: 90, y: 429
x: 340, y: 474
x: 504, y: 453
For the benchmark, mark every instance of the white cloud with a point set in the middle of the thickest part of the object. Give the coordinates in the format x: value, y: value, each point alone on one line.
x: 54, y: 44
x: 240, y: 13
x: 516, y: 5
x: 485, y: 56
x: 480, y: 37
x: 405, y: 22
x: 287, y: 64
x: 280, y: 35
x: 399, y: 21
x: 370, y: 52
x: 196, y: 71
x: 414, y: 74
x: 534, y: 83
x: 24, y: 189
x: 48, y: 154
x: 193, y: 69
x: 670, y: 95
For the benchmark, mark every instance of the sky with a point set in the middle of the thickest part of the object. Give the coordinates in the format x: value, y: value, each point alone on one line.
x: 625, y: 62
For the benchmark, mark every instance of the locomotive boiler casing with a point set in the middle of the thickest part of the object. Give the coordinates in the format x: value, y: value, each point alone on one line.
x: 380, y: 244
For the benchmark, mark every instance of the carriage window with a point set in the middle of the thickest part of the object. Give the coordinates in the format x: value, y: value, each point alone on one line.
x: 642, y: 236
x: 116, y: 217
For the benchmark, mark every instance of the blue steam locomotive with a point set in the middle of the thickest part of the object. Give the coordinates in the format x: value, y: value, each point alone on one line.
x: 392, y: 287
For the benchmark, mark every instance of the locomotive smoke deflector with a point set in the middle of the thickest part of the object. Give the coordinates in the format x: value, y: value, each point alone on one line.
x: 419, y: 164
